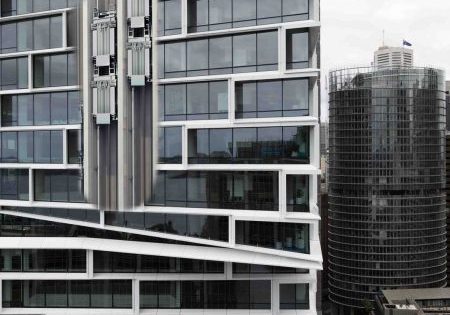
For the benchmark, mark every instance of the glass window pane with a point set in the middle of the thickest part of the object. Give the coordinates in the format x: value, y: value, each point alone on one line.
x: 244, y: 10
x: 56, y: 293
x: 58, y: 4
x: 56, y: 31
x: 176, y: 188
x: 268, y: 48
x: 269, y: 8
x: 246, y: 100
x: 148, y: 294
x: 218, y: 97
x: 175, y: 57
x: 42, y: 109
x: 297, y: 49
x: 25, y: 110
x: 41, y: 5
x: 220, y: 55
x: 244, y: 50
x: 25, y: 35
x: 9, y: 110
x: 26, y: 148
x: 197, y: 100
x: 41, y: 33
x: 172, y: 16
x: 74, y: 109
x: 296, y: 142
x: 219, y: 11
x: 9, y: 147
x: 74, y: 146
x: 169, y: 295
x: 296, y: 95
x: 121, y: 293
x: 58, y: 108
x: 9, y: 74
x: 42, y: 146
x: 244, y: 144
x: 198, y: 12
x: 72, y: 69
x: 8, y: 7
x: 22, y: 68
x: 198, y: 146
x: 270, y: 141
x: 58, y: 70
x: 56, y: 146
x: 172, y: 144
x: 79, y: 293
x: 220, y: 145
x: 101, y: 294
x: 9, y: 38
x: 197, y: 189
x: 41, y: 71
x: 175, y: 99
x: 75, y: 186
x: 24, y: 6
x: 291, y: 7
x: 197, y: 54
x: 269, y: 96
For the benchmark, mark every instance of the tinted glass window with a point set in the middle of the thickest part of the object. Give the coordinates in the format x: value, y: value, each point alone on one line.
x: 244, y: 50
x: 197, y: 100
x: 25, y: 35
x: 220, y: 52
x: 56, y: 28
x: 58, y: 108
x: 297, y: 49
x: 9, y: 146
x: 26, y: 147
x: 42, y: 109
x: 58, y: 70
x: 9, y: 38
x: 42, y: 147
x: 25, y: 110
x: 41, y: 34
x: 175, y: 57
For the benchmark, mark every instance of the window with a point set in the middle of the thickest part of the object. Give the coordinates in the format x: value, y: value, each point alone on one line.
x: 276, y: 235
x: 286, y: 145
x: 277, y: 98
x: 9, y: 38
x: 18, y: 7
x: 242, y: 294
x: 58, y: 108
x: 42, y: 109
x: 220, y: 55
x: 194, y: 101
x: 55, y: 70
x: 41, y: 31
x: 9, y: 110
x: 207, y: 227
x: 226, y: 190
x: 297, y: 49
x: 9, y: 147
x: 14, y: 73
x: 58, y: 185
x: 64, y: 294
x: 25, y: 36
x: 26, y: 147
x: 297, y: 198
x: 170, y: 145
x: 42, y: 147
x: 74, y: 146
x: 209, y: 15
x: 169, y: 17
x: 14, y: 184
x: 294, y: 296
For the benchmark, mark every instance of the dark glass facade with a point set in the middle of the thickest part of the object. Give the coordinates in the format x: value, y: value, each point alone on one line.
x: 386, y: 182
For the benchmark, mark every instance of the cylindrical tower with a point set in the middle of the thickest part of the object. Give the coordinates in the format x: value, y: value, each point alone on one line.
x: 386, y: 182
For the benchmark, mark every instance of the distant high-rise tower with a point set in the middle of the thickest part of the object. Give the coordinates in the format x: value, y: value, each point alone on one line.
x: 386, y: 57
x: 386, y: 183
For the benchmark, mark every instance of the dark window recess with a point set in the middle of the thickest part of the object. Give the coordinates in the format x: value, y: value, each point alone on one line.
x: 277, y: 235
x: 218, y: 190
x: 262, y: 269
x: 266, y: 145
x: 240, y: 294
x: 297, y: 193
x: 207, y: 227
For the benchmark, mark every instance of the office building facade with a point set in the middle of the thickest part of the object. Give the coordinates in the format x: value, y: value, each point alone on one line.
x: 159, y: 156
x: 388, y: 57
x: 386, y: 183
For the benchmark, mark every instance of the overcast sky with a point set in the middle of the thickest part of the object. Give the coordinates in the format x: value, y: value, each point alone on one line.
x: 353, y: 29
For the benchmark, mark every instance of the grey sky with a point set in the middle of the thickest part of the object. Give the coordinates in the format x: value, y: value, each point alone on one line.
x: 352, y: 31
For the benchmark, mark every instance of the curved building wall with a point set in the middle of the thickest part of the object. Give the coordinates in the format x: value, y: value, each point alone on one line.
x: 386, y: 182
